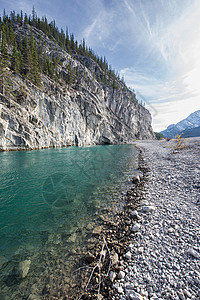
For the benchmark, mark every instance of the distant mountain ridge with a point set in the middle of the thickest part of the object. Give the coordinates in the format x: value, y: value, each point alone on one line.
x: 192, y: 132
x: 187, y: 126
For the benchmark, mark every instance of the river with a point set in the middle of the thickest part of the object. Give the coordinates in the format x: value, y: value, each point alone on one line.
x: 50, y: 201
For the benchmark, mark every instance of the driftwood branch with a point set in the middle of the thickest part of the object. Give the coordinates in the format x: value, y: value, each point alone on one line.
x: 98, y: 266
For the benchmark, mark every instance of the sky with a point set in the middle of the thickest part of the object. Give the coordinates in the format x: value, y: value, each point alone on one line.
x: 153, y: 44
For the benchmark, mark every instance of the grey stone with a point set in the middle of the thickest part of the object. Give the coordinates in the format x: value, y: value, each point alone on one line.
x: 187, y: 293
x: 112, y: 276
x: 129, y: 286
x: 128, y: 255
x: 135, y: 296
x: 120, y: 290
x: 193, y: 253
x: 134, y: 214
x: 23, y: 268
x: 121, y: 275
x: 136, y: 179
x: 181, y: 296
x: 136, y: 227
x: 148, y: 208
x: 197, y: 281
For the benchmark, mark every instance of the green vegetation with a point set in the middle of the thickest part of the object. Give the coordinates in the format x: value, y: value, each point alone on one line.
x: 26, y: 56
x: 159, y: 135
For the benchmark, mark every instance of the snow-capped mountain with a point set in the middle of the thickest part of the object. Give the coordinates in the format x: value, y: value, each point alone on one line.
x: 192, y: 121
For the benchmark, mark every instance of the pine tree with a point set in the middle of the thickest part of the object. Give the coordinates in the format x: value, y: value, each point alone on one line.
x: 26, y: 19
x: 21, y: 18
x: 67, y: 41
x: 44, y: 64
x: 15, y: 60
x: 34, y: 16
x: 4, y: 49
x: 4, y: 62
x: 35, y: 67
x: 20, y: 46
x: 21, y: 62
x: 72, y: 42
x: 12, y: 38
x: 26, y: 56
x: 32, y: 61
x: 69, y: 74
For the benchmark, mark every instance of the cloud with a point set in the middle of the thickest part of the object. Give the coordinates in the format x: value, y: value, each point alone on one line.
x: 168, y: 101
x: 101, y: 32
x: 171, y: 85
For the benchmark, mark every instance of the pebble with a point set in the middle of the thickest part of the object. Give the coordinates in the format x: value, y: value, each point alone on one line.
x: 112, y: 276
x: 128, y: 255
x: 148, y: 208
x: 187, y: 294
x: 193, y: 253
x: 162, y: 259
x: 121, y: 275
x: 136, y: 179
x: 136, y: 227
x: 135, y: 296
x: 120, y: 290
x: 134, y: 214
x: 181, y: 296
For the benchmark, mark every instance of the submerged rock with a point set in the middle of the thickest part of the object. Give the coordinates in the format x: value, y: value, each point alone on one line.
x: 89, y: 257
x: 97, y: 230
x: 33, y: 297
x: 23, y: 268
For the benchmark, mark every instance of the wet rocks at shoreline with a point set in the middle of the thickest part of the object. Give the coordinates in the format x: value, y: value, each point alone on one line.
x: 23, y: 268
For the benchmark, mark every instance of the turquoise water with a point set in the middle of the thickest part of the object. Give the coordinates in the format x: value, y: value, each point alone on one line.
x: 51, y: 191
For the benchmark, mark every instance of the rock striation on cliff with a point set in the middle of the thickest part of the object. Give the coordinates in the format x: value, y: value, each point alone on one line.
x: 85, y: 112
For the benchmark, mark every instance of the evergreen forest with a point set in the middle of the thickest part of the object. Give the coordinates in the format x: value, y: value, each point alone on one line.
x: 26, y: 56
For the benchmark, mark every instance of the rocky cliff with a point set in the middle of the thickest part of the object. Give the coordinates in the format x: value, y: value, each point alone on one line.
x: 84, y: 112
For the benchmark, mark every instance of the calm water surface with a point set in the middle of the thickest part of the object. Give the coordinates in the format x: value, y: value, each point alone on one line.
x: 45, y: 193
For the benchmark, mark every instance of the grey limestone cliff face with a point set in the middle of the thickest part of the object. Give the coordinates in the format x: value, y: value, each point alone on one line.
x: 83, y: 113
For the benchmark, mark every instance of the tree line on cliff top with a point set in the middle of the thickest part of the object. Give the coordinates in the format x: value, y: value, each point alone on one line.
x: 25, y: 55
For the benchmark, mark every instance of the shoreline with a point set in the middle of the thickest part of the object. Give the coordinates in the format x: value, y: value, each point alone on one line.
x: 114, y: 237
x: 153, y: 244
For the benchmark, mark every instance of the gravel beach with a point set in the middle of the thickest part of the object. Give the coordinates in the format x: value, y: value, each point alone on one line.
x: 162, y: 260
